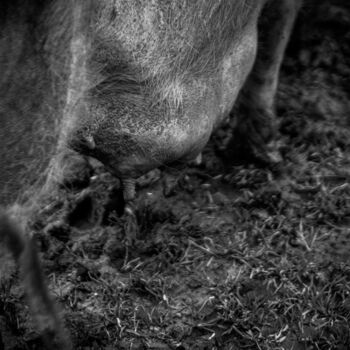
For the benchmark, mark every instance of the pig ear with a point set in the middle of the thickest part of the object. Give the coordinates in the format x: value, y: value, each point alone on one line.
x: 42, y: 306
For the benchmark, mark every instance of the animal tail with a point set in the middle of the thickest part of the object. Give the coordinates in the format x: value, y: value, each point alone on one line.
x: 42, y: 306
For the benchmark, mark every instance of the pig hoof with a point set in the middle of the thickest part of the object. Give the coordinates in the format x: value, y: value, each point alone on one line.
x: 253, y: 142
x: 260, y: 155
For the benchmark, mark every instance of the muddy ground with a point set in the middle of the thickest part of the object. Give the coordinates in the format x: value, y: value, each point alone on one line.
x: 228, y: 256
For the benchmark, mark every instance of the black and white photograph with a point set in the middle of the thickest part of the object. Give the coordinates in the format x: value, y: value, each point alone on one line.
x: 175, y: 174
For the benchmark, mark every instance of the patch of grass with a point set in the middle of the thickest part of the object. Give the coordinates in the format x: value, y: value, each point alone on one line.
x: 230, y: 259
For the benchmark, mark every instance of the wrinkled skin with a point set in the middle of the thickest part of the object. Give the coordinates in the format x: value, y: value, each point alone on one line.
x: 133, y: 84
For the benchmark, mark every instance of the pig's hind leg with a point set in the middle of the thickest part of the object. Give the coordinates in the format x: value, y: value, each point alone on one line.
x: 253, y: 137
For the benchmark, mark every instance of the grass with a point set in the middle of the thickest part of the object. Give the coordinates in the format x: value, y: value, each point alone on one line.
x: 232, y: 257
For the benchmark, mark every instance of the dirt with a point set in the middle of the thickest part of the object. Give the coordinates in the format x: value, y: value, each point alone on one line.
x: 227, y: 256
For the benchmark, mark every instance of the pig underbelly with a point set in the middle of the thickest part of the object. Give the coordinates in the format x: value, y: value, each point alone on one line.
x: 189, y: 134
x: 132, y: 141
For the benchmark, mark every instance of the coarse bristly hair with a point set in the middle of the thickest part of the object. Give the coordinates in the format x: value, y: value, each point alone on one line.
x: 133, y: 47
x: 166, y: 43
x: 136, y: 48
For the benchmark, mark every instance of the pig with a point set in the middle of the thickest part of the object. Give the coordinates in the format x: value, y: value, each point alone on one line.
x: 134, y: 84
